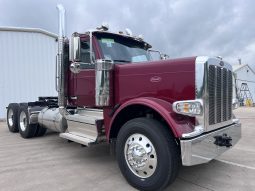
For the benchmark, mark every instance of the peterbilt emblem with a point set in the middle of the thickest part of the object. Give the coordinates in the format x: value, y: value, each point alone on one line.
x: 155, y: 79
x: 221, y: 63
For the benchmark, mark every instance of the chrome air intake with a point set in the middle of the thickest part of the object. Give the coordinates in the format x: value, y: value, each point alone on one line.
x: 103, y: 82
x: 214, y: 87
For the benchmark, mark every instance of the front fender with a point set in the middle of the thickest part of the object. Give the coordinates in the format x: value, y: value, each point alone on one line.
x: 178, y: 124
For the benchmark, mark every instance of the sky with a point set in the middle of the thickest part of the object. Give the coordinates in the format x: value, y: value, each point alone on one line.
x: 179, y: 28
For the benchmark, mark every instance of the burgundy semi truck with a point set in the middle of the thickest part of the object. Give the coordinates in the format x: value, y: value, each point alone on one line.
x: 158, y: 115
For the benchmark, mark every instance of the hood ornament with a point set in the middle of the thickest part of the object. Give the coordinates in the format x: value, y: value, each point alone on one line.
x: 221, y: 63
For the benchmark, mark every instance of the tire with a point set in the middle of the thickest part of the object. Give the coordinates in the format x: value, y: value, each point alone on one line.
x: 26, y: 130
x: 140, y: 139
x: 12, y: 117
x: 40, y: 131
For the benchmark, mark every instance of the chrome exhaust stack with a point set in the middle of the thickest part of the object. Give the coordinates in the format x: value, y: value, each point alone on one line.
x: 61, y: 29
x: 60, y: 60
x: 54, y: 118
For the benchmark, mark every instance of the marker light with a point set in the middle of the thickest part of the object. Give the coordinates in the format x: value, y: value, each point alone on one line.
x: 189, y: 107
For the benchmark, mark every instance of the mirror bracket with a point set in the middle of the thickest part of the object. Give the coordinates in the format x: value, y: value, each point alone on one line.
x: 77, y: 67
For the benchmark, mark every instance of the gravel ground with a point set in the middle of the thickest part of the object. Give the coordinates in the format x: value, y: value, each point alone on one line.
x: 51, y: 163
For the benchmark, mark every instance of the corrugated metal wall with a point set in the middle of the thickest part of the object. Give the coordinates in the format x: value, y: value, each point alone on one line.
x: 27, y: 67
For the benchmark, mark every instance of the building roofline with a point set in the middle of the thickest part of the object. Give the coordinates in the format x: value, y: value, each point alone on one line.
x: 238, y: 67
x: 36, y: 30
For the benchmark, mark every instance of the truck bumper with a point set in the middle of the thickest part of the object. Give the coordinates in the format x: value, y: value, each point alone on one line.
x: 204, y: 148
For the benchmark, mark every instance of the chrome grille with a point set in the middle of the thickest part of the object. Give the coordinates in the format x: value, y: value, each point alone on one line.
x: 230, y: 86
x: 220, y: 94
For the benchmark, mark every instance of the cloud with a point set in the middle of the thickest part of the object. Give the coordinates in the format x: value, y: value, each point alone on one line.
x: 177, y: 27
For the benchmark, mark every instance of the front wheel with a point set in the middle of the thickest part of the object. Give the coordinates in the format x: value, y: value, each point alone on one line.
x: 147, y: 154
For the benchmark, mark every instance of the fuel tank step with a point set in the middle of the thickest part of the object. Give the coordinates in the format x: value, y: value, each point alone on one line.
x: 78, y: 139
x: 98, y: 113
x: 88, y: 116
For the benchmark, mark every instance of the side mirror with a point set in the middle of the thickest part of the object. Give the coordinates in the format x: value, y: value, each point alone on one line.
x: 157, y: 55
x: 154, y: 54
x: 164, y: 56
x: 75, y: 48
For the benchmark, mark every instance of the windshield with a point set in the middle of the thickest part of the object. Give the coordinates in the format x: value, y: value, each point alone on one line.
x: 122, y: 49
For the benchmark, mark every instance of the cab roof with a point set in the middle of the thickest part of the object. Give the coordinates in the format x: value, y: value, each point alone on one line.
x: 122, y: 35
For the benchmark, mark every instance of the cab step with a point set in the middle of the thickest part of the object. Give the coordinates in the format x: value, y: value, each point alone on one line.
x: 85, y: 127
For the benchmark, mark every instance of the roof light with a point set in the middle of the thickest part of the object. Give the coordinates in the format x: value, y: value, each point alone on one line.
x: 128, y: 32
x: 104, y: 27
x: 140, y: 36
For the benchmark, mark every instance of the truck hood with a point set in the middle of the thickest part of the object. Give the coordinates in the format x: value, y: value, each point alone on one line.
x: 170, y: 80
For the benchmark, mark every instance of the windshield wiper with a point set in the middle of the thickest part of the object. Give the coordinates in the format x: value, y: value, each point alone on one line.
x: 121, y: 60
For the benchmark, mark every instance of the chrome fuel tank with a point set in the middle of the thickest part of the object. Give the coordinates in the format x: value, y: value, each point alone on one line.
x: 50, y: 118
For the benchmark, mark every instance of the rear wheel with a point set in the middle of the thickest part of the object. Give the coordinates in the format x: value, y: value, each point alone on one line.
x: 12, y: 117
x: 26, y: 130
x: 147, y: 154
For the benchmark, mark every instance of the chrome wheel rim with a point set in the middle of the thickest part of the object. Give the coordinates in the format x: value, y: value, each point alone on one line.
x: 23, y: 121
x: 140, y: 155
x: 11, y: 117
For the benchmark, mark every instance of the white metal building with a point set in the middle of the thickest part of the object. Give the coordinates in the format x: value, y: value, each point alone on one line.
x: 27, y: 65
x: 245, y: 80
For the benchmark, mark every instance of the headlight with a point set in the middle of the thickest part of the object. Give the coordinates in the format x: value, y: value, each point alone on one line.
x: 189, y: 107
x: 235, y: 103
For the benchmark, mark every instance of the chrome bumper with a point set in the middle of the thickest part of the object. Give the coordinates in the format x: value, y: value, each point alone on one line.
x: 202, y: 149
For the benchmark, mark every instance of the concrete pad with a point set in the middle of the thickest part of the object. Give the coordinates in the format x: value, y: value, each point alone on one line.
x: 51, y: 163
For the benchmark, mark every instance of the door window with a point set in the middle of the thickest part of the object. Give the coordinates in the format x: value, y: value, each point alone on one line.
x: 85, y: 54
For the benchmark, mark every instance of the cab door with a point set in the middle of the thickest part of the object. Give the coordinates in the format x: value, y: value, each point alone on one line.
x: 84, y: 81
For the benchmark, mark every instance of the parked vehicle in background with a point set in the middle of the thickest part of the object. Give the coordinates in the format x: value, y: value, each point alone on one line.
x: 158, y: 114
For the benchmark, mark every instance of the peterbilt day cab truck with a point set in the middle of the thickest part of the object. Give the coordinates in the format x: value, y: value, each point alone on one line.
x: 157, y: 114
